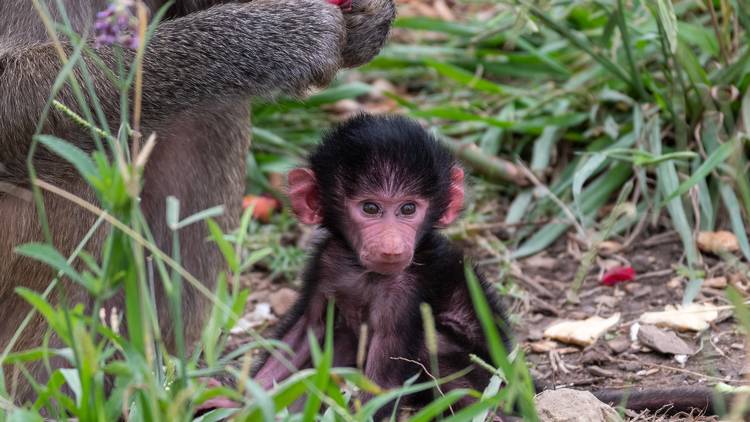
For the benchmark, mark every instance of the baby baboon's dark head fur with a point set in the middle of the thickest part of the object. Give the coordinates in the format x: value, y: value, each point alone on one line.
x: 392, y: 154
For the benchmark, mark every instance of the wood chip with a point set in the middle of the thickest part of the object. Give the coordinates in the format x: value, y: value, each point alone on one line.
x: 715, y: 282
x: 541, y: 261
x: 647, y: 372
x: 581, y: 333
x: 663, y: 341
x: 675, y: 283
x: 601, y: 372
x: 543, y: 346
x: 610, y: 246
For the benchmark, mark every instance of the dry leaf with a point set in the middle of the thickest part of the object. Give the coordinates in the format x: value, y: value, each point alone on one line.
x: 693, y: 317
x: 716, y: 242
x: 582, y: 333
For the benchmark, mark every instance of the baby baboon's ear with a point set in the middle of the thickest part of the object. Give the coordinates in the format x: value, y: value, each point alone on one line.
x: 456, y: 197
x: 304, y: 196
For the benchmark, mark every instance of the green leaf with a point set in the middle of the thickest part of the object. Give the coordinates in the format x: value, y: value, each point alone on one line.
x: 73, y: 382
x: 586, y: 170
x: 341, y: 92
x: 436, y: 25
x: 475, y: 410
x: 490, y: 391
x: 519, y: 207
x: 437, y: 407
x: 71, y: 153
x: 717, y: 157
x: 466, y: 78
x: 50, y: 256
x: 668, y: 19
x: 24, y: 415
x: 202, y: 215
x: 732, y: 206
x: 48, y: 312
x: 224, y: 246
x: 255, y: 257
x: 263, y: 400
x: 173, y: 212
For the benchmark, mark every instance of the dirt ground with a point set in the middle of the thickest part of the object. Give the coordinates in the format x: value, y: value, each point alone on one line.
x: 538, y: 298
x: 614, y: 361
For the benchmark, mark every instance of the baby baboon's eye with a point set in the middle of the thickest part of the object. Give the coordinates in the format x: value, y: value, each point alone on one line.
x: 370, y: 208
x: 409, y: 208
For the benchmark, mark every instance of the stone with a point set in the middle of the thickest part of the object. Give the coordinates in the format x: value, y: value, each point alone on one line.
x: 568, y: 405
x: 663, y: 341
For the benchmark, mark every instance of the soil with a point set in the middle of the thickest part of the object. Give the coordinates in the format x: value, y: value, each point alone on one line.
x: 614, y: 361
x: 722, y: 347
x: 538, y: 298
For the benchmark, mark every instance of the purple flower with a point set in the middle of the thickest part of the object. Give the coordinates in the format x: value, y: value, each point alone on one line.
x: 117, y: 24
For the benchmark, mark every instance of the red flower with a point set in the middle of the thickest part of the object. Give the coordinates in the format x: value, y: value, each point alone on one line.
x: 618, y: 275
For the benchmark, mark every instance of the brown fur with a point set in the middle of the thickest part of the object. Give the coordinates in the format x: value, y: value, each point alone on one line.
x: 200, y: 68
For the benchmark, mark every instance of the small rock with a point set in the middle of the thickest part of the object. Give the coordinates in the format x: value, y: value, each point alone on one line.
x: 594, y: 356
x: 663, y: 341
x: 606, y: 300
x: 637, y: 290
x: 715, y: 282
x: 717, y: 242
x: 567, y: 405
x: 535, y: 334
x: 619, y: 344
x: 578, y: 315
x: 282, y: 299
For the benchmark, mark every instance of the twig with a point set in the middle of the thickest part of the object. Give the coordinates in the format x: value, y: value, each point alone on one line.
x: 488, y: 165
x: 720, y: 39
x: 673, y: 368
x: 437, y: 384
x: 565, y: 209
x: 658, y: 273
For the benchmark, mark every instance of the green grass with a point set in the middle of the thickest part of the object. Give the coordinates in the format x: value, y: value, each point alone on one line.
x: 644, y: 103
